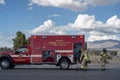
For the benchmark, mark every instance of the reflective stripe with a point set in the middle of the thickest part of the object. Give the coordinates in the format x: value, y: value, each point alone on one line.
x: 36, y: 55
x: 86, y: 57
x: 26, y: 55
x: 63, y: 50
x: 14, y: 56
x: 20, y: 55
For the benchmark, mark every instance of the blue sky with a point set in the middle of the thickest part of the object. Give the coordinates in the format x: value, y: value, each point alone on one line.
x: 96, y: 19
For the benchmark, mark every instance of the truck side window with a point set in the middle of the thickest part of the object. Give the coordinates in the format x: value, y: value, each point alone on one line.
x: 21, y: 50
x: 46, y: 54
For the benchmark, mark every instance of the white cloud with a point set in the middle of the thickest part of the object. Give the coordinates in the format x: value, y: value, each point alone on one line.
x: 113, y: 21
x: 97, y: 30
x: 68, y: 4
x: 102, y: 2
x: 112, y: 26
x: 84, y: 24
x: 75, y: 5
x: 48, y: 28
x: 2, y: 2
x: 56, y: 15
x: 94, y: 35
x: 6, y: 40
x: 30, y: 6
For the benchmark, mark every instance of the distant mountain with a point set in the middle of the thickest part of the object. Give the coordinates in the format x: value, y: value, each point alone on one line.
x: 109, y: 44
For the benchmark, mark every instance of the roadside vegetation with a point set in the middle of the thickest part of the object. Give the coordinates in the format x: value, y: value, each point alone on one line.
x: 19, y: 40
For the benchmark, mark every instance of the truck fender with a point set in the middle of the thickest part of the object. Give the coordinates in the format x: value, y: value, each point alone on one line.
x: 5, y: 56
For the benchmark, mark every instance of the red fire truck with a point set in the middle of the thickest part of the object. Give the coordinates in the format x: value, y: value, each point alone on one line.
x: 60, y: 50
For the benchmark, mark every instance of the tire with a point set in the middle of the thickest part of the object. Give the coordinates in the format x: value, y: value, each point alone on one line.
x: 5, y: 64
x: 64, y: 64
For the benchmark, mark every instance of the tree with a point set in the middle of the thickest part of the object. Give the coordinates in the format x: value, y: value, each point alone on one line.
x: 19, y: 40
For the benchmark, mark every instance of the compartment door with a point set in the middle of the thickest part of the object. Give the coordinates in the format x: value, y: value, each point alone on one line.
x: 77, y: 47
x: 48, y: 56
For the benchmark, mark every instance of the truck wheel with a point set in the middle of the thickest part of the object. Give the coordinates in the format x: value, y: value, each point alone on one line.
x: 64, y: 64
x: 5, y: 64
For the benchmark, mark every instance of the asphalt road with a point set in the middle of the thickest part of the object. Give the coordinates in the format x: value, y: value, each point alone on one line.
x: 57, y: 74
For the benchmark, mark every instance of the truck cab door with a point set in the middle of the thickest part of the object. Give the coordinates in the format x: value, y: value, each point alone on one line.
x: 48, y: 56
x: 22, y: 54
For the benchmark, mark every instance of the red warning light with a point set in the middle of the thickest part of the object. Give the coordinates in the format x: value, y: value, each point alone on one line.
x: 81, y: 37
x: 34, y: 37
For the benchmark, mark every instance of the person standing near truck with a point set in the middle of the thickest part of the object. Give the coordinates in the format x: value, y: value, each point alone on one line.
x: 103, y: 58
x: 84, y: 59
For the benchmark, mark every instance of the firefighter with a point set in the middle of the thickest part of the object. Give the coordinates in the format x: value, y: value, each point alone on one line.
x: 103, y: 58
x: 84, y: 59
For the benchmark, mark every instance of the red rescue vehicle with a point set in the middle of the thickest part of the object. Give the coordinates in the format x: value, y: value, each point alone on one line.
x: 60, y: 50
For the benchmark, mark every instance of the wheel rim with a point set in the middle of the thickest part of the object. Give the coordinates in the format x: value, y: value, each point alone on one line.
x: 64, y: 65
x: 5, y: 64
